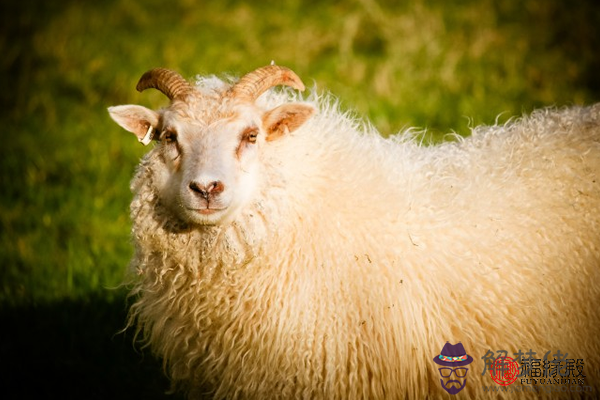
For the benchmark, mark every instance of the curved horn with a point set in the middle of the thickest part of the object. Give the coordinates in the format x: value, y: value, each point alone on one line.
x: 255, y: 83
x: 169, y: 82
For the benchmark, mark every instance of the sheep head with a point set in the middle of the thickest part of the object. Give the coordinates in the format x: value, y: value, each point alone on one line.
x: 209, y: 144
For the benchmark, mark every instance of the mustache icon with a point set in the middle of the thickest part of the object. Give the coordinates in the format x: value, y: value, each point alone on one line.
x: 447, y: 384
x: 453, y: 386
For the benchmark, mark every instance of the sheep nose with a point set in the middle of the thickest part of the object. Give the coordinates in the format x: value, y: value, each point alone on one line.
x: 206, y: 190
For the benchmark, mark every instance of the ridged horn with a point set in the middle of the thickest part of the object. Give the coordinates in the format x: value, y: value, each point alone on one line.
x: 255, y: 83
x: 173, y: 85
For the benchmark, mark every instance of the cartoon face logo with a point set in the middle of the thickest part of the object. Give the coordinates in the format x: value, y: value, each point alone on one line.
x: 452, y: 361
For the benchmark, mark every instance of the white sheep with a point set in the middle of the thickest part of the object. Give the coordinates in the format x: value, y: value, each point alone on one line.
x: 285, y: 250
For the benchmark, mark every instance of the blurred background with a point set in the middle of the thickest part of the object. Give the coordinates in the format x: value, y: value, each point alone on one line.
x: 65, y: 166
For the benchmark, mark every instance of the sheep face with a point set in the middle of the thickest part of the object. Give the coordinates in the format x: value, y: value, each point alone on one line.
x: 209, y: 149
x: 210, y: 168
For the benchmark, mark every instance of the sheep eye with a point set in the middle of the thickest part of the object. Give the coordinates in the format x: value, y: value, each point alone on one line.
x: 169, y: 136
x: 250, y: 135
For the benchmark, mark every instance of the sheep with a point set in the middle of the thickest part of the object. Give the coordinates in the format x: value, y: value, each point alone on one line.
x: 285, y: 249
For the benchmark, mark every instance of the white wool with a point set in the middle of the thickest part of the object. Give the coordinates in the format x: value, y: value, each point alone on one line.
x: 361, y: 257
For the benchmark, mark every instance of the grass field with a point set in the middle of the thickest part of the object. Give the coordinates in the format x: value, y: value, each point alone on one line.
x: 65, y: 166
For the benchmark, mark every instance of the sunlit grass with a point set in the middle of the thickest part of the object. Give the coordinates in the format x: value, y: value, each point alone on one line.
x: 66, y: 167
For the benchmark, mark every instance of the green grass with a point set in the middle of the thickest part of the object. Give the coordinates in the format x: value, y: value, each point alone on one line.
x: 65, y: 166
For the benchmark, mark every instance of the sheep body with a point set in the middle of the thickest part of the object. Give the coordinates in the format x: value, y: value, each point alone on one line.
x: 361, y: 256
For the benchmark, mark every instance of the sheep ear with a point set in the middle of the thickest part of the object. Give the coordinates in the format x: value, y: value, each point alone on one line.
x: 285, y: 118
x: 139, y: 120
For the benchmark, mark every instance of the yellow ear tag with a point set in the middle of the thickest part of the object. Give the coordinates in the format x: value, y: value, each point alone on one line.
x: 147, y: 137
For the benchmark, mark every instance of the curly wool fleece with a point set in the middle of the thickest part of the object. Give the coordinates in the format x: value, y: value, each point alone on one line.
x: 361, y: 256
